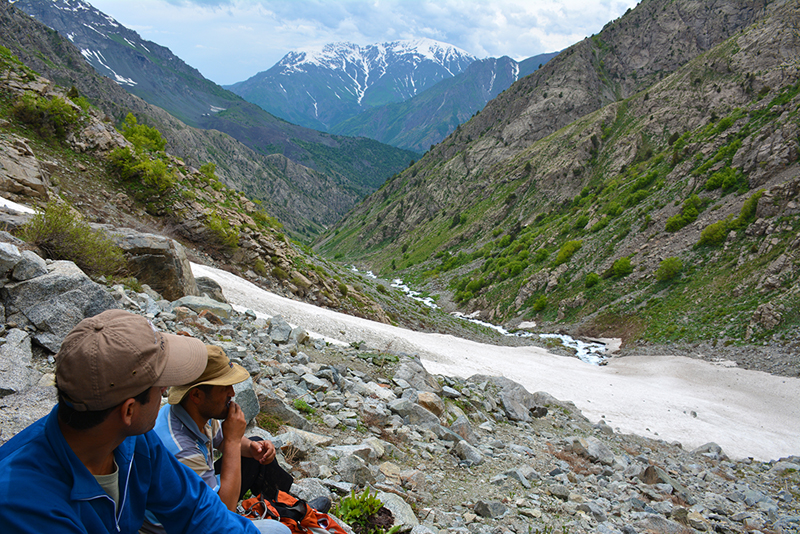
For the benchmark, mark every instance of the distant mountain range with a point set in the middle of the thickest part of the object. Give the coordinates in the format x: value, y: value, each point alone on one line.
x: 408, y: 94
x: 430, y: 116
x: 320, y: 88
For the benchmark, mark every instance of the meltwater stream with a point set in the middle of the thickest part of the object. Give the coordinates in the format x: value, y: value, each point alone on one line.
x: 587, y: 351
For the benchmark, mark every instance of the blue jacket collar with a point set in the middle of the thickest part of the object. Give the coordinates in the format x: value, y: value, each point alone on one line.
x: 84, y: 485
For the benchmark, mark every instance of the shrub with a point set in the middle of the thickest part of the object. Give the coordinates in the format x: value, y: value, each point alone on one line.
x: 279, y: 273
x: 343, y: 289
x: 622, y: 267
x: 223, y: 232
x: 49, y: 118
x: 62, y: 236
x: 260, y: 267
x: 567, y: 250
x: 153, y: 174
x: 714, y: 234
x: 669, y: 269
x: 540, y: 303
x: 382, y: 289
x: 142, y: 136
x: 592, y: 279
x: 540, y: 255
x: 689, y: 212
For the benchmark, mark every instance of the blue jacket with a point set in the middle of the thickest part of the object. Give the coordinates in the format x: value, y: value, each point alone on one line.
x: 45, y: 488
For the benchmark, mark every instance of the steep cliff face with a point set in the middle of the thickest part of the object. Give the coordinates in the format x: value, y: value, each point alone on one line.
x: 510, y: 222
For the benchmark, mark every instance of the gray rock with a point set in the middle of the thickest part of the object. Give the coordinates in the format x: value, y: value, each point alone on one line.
x: 9, y: 257
x: 209, y: 286
x: 591, y: 449
x: 157, y: 261
x: 513, y: 409
x: 462, y: 427
x: 416, y: 375
x: 30, y: 266
x: 593, y: 510
x: 279, y: 330
x: 309, y: 489
x: 245, y: 397
x: 16, y: 359
x: 313, y: 383
x: 419, y: 415
x: 559, y: 491
x: 519, y: 475
x: 199, y: 304
x: 442, y: 433
x: 273, y: 405
x: 491, y: 509
x: 450, y: 393
x: 59, y: 300
x: 354, y: 470
x: 468, y: 453
x: 403, y: 514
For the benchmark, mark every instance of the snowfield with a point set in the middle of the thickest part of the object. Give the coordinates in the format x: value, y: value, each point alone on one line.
x: 748, y: 413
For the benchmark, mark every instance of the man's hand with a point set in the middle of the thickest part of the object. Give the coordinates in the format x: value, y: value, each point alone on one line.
x: 234, y: 425
x: 262, y: 451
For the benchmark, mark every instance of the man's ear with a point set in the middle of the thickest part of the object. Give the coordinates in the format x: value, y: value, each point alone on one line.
x: 196, y: 396
x: 126, y: 411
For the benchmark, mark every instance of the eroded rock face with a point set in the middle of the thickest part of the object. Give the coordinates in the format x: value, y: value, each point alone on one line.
x: 20, y: 171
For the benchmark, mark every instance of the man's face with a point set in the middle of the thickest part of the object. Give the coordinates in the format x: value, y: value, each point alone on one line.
x: 148, y: 413
x: 215, y: 403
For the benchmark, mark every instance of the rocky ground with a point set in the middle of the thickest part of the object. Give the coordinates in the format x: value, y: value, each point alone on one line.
x: 445, y: 455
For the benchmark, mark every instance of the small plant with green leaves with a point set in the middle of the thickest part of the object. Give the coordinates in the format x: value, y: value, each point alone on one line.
x: 361, y: 512
x: 302, y: 406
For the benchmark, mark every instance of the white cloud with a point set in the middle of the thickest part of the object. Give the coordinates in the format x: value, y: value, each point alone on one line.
x: 230, y: 41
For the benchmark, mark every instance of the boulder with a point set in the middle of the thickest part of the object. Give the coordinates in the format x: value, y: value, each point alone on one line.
x: 9, y: 257
x: 355, y: 470
x: 245, y: 397
x: 279, y: 330
x: 273, y: 405
x: 416, y: 375
x: 157, y: 261
x: 30, y: 266
x: 210, y: 287
x: 16, y: 363
x: 57, y: 301
x: 431, y: 402
x: 403, y: 514
x: 201, y: 304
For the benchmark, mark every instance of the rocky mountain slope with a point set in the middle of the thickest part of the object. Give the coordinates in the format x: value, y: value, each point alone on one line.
x: 307, y: 178
x: 442, y: 455
x: 322, y: 87
x: 641, y: 184
x: 428, y: 117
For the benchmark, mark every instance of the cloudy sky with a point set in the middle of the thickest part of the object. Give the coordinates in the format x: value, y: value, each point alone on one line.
x: 231, y: 40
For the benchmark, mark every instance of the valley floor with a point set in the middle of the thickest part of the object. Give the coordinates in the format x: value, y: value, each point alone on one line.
x: 673, y: 398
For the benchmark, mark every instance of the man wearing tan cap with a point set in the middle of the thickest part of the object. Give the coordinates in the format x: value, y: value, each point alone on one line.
x: 92, y: 465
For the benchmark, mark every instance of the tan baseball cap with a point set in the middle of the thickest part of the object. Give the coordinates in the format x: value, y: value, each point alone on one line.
x: 220, y: 371
x: 116, y: 355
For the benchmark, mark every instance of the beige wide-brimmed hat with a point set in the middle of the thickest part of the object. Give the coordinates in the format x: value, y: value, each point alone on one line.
x: 220, y: 371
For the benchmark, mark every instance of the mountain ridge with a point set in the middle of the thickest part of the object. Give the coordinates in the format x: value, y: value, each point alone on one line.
x: 348, y: 78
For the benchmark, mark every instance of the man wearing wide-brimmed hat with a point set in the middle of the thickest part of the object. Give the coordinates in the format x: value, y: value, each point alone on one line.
x: 92, y: 464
